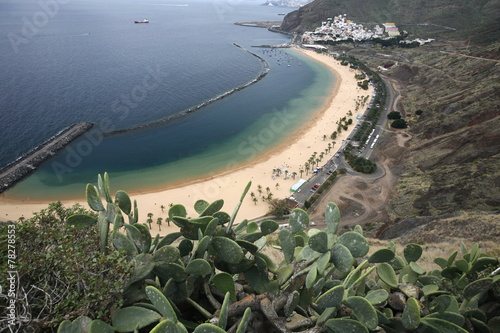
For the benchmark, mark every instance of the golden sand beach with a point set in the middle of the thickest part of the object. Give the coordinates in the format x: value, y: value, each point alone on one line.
x: 229, y: 184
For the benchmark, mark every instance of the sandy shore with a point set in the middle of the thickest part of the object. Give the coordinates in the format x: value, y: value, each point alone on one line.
x: 228, y: 185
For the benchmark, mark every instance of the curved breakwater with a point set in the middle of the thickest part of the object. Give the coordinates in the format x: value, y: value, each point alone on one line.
x: 26, y: 164
x: 263, y: 73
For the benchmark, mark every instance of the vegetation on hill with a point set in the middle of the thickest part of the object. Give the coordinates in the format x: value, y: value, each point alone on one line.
x: 449, y: 101
x: 215, y: 276
x: 449, y: 19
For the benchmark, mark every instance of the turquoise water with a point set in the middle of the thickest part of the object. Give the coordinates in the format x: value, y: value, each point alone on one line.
x: 89, y: 62
x: 258, y: 136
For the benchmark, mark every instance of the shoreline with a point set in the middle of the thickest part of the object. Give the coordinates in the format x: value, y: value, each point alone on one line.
x: 229, y: 183
x: 17, y: 170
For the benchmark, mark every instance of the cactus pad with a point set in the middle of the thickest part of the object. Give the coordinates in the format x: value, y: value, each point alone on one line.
x: 411, y: 314
x: 382, y: 255
x: 198, y: 267
x: 213, y: 208
x: 168, y: 254
x: 177, y: 210
x: 169, y: 326
x: 355, y: 242
x: 98, y: 326
x: 200, y: 206
x: 386, y: 273
x: 268, y: 226
x: 299, y: 220
x: 412, y: 252
x: 287, y: 242
x: 123, y: 201
x: 332, y: 298
x: 477, y: 287
x: 208, y: 328
x: 376, y: 297
x: 161, y: 303
x: 225, y: 283
x: 341, y: 258
x: 441, y: 326
x: 80, y: 221
x: 319, y: 242
x: 343, y: 325
x: 93, y: 198
x: 332, y: 217
x: 130, y: 318
x: 227, y: 249
x: 363, y: 310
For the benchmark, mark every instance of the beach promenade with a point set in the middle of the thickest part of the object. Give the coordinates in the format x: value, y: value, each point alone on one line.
x: 289, y: 156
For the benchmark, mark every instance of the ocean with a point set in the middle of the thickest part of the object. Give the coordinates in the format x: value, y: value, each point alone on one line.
x: 73, y: 61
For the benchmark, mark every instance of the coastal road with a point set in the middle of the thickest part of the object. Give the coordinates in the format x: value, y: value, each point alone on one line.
x: 338, y: 162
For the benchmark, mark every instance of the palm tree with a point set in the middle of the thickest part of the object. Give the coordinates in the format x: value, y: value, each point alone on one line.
x: 268, y: 190
x: 306, y: 166
x: 259, y: 189
x: 329, y: 146
x: 255, y: 200
x: 269, y: 197
x: 159, y: 221
x: 277, y: 185
x: 150, y: 219
x: 252, y: 195
x: 168, y: 221
x: 278, y: 171
x: 294, y: 174
x: 301, y: 172
x: 162, y: 208
x: 286, y: 174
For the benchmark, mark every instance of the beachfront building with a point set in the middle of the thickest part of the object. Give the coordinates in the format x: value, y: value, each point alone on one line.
x: 339, y: 28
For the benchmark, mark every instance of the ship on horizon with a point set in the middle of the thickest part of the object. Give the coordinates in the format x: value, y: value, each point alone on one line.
x: 143, y: 21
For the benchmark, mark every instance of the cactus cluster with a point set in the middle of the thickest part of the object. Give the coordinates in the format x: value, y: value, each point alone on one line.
x: 212, y: 276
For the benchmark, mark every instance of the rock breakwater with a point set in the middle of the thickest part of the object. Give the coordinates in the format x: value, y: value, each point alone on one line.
x: 26, y: 164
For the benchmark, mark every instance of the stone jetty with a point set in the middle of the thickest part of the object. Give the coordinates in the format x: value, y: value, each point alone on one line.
x: 26, y: 164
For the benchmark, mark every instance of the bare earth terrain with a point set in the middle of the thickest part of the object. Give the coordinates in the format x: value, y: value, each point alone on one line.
x: 363, y: 199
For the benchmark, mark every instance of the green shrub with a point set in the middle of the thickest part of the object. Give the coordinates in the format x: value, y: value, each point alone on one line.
x: 394, y: 115
x: 62, y: 274
x: 399, y: 123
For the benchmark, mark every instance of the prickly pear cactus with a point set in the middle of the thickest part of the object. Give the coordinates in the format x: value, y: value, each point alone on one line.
x: 212, y: 276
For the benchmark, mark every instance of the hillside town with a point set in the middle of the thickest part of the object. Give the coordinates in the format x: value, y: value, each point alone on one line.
x: 340, y: 29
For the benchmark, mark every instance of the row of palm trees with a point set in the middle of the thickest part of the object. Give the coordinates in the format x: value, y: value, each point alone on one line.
x: 159, y: 220
x: 268, y: 195
x: 278, y: 172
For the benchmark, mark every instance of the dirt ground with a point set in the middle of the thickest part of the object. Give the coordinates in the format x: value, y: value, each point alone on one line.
x: 363, y: 199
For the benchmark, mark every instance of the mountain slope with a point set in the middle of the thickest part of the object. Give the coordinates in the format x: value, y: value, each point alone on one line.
x: 453, y: 18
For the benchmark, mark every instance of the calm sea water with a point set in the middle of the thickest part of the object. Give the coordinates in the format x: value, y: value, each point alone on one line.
x: 76, y: 61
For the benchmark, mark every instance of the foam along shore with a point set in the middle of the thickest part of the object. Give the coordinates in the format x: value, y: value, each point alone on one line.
x: 229, y: 184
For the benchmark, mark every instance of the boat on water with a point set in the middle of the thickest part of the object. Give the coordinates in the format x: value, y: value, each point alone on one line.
x: 143, y: 21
